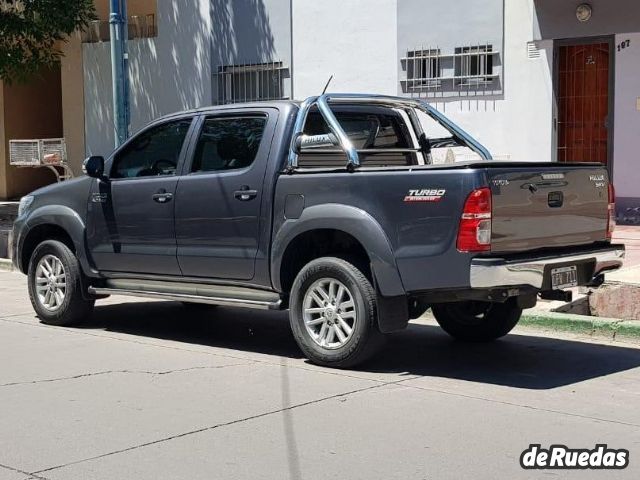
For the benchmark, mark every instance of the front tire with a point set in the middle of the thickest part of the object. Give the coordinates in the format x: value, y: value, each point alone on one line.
x: 333, y: 313
x: 55, y: 287
x: 476, y: 321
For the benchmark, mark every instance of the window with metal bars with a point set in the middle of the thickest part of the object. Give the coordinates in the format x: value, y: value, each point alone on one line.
x: 471, y: 70
x: 423, y: 68
x: 474, y: 65
x: 251, y: 82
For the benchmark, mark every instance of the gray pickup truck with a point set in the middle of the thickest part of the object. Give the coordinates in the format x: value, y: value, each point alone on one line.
x: 334, y: 208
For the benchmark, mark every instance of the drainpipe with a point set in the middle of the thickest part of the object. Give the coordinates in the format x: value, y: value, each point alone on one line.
x: 291, y: 47
x: 119, y: 70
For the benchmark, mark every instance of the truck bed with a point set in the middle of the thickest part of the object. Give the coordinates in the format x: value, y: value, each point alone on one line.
x: 422, y: 232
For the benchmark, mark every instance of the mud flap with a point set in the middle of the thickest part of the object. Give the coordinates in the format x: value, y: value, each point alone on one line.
x: 393, y: 313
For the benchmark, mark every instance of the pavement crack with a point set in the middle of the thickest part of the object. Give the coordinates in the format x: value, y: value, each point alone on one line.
x: 23, y: 472
x: 15, y: 315
x: 219, y: 425
x: 111, y: 372
x: 75, y: 331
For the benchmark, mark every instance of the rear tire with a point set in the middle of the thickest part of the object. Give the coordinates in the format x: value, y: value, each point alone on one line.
x: 55, y: 287
x: 475, y: 321
x: 333, y: 313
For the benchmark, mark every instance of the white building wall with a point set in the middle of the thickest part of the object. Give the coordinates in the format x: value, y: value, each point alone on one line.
x: 354, y: 40
x: 357, y: 42
x: 246, y: 32
x: 626, y: 163
x: 519, y: 124
x: 168, y: 73
x: 451, y: 25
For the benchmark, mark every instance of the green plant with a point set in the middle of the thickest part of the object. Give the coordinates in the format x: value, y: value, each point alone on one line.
x: 31, y: 32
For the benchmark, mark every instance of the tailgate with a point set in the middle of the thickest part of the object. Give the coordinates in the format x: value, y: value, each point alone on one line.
x: 555, y: 205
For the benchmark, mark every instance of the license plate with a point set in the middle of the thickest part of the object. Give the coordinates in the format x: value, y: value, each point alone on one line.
x: 564, y: 277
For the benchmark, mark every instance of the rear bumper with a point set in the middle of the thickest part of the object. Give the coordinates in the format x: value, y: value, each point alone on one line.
x: 503, y: 272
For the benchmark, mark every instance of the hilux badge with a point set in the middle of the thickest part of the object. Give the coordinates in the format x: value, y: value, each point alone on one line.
x: 425, y: 195
x: 598, y: 180
x: 99, y: 197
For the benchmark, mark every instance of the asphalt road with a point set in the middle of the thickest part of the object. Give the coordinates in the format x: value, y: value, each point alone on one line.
x: 150, y: 390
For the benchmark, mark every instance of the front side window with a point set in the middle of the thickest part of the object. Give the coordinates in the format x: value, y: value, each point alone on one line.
x: 152, y: 153
x: 227, y: 143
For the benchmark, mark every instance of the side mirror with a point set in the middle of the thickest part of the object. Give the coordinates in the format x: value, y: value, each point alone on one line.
x: 94, y: 166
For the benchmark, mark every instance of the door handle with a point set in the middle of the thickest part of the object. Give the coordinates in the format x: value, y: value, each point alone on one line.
x: 162, y: 197
x: 245, y: 194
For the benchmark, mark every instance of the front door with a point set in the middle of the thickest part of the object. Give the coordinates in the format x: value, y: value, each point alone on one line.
x: 131, y: 215
x: 219, y: 197
x: 583, y: 102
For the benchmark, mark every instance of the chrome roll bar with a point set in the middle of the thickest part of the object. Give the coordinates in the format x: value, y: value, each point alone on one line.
x: 323, y: 104
x: 338, y: 131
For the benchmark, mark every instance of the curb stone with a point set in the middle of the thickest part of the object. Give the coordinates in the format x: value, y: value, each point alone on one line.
x: 597, y: 326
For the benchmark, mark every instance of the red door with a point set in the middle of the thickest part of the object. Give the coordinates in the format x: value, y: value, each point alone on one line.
x: 583, y: 102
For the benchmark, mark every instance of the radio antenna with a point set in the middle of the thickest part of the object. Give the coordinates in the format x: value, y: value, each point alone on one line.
x: 327, y: 85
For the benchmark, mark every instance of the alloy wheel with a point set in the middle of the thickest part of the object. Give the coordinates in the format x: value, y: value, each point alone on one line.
x: 329, y: 313
x: 51, y: 282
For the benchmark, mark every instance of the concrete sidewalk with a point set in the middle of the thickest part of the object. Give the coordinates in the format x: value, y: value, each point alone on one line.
x: 619, y: 297
x: 630, y: 236
x: 630, y: 273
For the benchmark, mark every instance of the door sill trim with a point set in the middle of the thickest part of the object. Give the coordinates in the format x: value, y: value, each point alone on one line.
x: 183, y: 297
x: 110, y: 275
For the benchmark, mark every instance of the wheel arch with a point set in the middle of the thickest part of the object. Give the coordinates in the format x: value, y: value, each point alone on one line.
x: 52, y: 223
x: 347, y: 223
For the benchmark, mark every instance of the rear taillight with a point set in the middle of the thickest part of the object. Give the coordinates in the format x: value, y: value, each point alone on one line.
x: 474, y: 234
x: 611, y: 220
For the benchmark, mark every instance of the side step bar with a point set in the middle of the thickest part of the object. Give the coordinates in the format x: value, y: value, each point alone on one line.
x: 188, y: 292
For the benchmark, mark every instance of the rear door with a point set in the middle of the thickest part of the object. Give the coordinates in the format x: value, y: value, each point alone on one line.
x: 219, y: 197
x: 540, y: 206
x: 131, y: 216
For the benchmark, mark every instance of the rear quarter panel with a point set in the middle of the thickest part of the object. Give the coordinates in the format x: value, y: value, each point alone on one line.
x: 422, y: 234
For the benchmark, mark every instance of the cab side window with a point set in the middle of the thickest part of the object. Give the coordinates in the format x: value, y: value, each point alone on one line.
x: 227, y: 143
x: 152, y: 153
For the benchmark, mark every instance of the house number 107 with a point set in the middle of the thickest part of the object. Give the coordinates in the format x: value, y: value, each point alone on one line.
x: 624, y: 44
